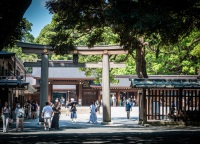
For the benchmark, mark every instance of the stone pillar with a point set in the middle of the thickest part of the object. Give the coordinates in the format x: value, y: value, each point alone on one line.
x: 50, y: 93
x: 43, y: 84
x: 98, y: 95
x: 106, y: 90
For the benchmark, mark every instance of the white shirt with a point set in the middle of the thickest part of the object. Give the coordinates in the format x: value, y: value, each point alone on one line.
x: 47, y: 110
x: 19, y: 111
x: 6, y: 110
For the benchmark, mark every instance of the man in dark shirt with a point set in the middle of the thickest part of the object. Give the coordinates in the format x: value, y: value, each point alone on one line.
x: 33, y: 110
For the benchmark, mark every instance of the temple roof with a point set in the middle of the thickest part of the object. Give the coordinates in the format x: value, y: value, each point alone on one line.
x: 165, y: 83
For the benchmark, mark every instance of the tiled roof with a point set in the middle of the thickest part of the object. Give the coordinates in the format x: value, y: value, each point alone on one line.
x: 60, y: 73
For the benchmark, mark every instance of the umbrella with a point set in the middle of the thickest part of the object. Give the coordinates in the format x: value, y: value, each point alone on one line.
x: 72, y: 102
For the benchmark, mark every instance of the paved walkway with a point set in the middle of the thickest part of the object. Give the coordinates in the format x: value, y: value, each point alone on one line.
x: 121, y: 131
x: 118, y: 117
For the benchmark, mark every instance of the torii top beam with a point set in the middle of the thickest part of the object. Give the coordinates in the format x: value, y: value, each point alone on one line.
x: 81, y: 50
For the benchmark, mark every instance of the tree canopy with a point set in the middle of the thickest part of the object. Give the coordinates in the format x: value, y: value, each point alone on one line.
x: 134, y: 21
x: 127, y: 18
x: 11, y: 23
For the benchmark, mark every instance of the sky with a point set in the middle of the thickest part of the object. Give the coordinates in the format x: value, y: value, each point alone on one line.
x: 38, y: 15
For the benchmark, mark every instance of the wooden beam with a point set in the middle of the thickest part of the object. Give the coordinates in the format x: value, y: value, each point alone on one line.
x: 86, y: 65
x: 34, y: 48
x: 63, y: 83
x: 81, y: 50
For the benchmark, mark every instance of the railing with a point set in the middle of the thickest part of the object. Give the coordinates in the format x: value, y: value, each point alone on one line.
x: 173, y: 104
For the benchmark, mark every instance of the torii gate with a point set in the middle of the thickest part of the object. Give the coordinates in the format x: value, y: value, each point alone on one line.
x: 97, y: 50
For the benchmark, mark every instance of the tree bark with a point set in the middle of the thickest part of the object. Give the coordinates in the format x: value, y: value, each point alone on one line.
x: 141, y: 62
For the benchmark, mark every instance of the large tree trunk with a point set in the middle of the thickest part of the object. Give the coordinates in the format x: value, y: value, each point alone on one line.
x: 141, y: 63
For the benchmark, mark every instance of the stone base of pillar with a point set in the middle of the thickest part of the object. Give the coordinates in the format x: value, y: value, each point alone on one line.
x: 107, y: 123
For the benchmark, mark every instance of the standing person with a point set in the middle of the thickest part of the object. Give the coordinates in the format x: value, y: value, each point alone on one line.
x: 131, y: 103
x: 97, y: 104
x: 56, y: 116
x: 37, y: 109
x: 47, y: 112
x: 33, y: 110
x: 93, y: 116
x: 62, y: 100
x: 128, y: 107
x: 73, y: 112
x: 19, y: 111
x: 26, y: 109
x: 29, y: 109
x: 124, y: 101
x: 5, y: 116
x: 67, y: 108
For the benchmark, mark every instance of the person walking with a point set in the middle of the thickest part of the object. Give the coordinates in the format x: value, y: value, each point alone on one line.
x: 26, y: 109
x: 56, y: 116
x: 5, y: 116
x: 128, y: 108
x: 20, y: 112
x: 47, y: 112
x: 93, y: 116
x: 73, y: 112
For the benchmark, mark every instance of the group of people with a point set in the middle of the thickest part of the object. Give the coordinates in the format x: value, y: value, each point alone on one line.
x: 28, y: 110
x: 94, y: 108
x: 31, y: 109
x: 51, y: 113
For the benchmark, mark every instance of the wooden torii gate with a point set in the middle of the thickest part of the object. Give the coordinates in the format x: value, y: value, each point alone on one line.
x: 98, y: 50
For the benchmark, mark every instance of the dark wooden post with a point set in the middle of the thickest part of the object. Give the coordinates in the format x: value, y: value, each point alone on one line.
x: 144, y: 108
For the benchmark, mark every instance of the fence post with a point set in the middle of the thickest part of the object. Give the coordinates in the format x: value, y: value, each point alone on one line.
x: 144, y: 108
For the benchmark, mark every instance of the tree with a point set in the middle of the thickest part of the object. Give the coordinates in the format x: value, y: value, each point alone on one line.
x: 133, y: 21
x: 11, y: 24
x: 26, y: 37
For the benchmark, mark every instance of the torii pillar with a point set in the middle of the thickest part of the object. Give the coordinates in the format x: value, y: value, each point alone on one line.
x: 43, y: 50
x: 105, y: 51
x: 106, y: 90
x: 44, y: 83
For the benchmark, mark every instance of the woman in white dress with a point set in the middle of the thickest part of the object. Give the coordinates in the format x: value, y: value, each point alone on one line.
x: 93, y: 116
